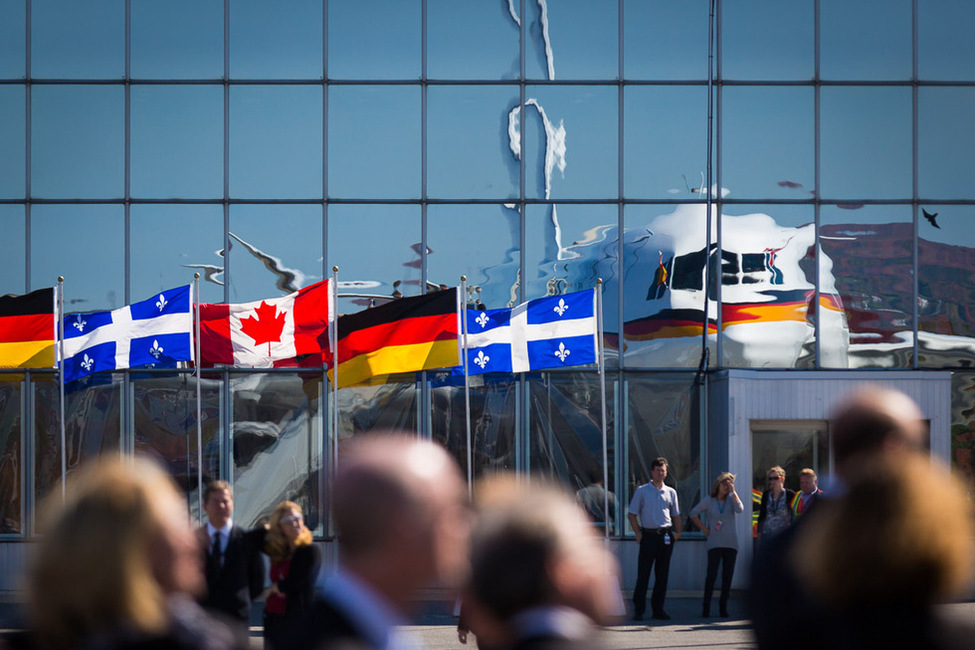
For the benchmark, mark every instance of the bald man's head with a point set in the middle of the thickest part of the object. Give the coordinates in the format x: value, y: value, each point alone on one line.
x: 875, y: 420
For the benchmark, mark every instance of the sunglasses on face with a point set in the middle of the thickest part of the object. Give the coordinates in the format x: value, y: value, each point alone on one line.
x: 775, y: 478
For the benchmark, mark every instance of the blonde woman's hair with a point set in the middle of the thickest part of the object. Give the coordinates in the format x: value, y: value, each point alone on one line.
x: 93, y: 571
x: 779, y: 471
x: 886, y: 541
x: 722, y: 477
x: 276, y: 544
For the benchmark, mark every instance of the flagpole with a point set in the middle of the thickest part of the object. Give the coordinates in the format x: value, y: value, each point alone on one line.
x: 602, y: 395
x: 64, y: 438
x: 333, y: 336
x: 198, y: 361
x: 467, y: 387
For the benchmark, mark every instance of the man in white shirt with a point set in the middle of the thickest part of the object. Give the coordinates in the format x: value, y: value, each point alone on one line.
x: 654, y: 515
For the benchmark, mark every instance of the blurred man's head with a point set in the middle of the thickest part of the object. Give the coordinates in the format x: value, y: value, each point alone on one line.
x: 808, y: 481
x: 401, y: 513
x: 218, y: 503
x: 875, y: 420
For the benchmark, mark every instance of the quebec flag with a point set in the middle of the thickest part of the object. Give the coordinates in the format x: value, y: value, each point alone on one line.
x: 550, y: 332
x: 157, y: 331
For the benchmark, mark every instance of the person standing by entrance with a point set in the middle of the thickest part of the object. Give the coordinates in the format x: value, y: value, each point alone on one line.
x: 654, y: 515
x: 775, y: 510
x: 719, y: 511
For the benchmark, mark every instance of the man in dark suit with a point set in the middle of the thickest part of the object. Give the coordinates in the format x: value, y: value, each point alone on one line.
x: 234, y: 569
x: 399, y: 505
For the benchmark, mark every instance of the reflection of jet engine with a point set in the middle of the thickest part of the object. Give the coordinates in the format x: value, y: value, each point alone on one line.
x: 767, y: 275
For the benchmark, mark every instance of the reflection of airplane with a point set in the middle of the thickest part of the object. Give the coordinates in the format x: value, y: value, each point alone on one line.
x: 767, y: 291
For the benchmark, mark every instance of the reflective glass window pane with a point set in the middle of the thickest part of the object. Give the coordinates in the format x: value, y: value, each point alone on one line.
x: 276, y: 40
x: 963, y: 427
x: 164, y: 417
x: 77, y: 142
x: 77, y: 40
x: 881, y: 51
x: 946, y: 303
x: 663, y: 420
x: 767, y: 142
x: 85, y: 244
x: 13, y: 142
x: 374, y: 142
x: 391, y: 407
x: 571, y: 141
x: 169, y: 243
x: 277, y: 453
x: 945, y: 142
x: 466, y: 156
x: 92, y: 415
x: 178, y: 39
x: 767, y: 39
x: 13, y: 37
x: 276, y: 142
x: 13, y: 250
x: 664, y: 141
x: 553, y: 32
x: 569, y: 247
x: 866, y: 143
x: 274, y: 250
x: 479, y: 241
x: 374, y: 39
x: 664, y: 250
x: 870, y: 250
x: 494, y: 412
x: 565, y: 436
x: 665, y: 40
x: 177, y: 142
x: 11, y: 454
x: 944, y: 29
x: 768, y: 280
x: 377, y: 249
x: 471, y: 40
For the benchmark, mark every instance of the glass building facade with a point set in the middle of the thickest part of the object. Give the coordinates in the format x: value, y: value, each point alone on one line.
x: 771, y: 186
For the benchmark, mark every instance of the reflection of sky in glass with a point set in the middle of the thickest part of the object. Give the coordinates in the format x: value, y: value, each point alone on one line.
x: 13, y: 125
x: 177, y: 39
x: 13, y: 59
x: 471, y: 40
x: 944, y: 33
x: 767, y: 142
x: 373, y: 39
x: 946, y: 140
x: 177, y: 142
x: 849, y: 51
x: 866, y: 142
x: 77, y: 40
x: 573, y: 22
x: 276, y: 40
x: 85, y: 244
x: 12, y: 249
x: 767, y: 39
x: 77, y: 141
x: 664, y: 40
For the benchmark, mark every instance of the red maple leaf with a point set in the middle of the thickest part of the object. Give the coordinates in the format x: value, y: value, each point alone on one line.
x: 266, y: 328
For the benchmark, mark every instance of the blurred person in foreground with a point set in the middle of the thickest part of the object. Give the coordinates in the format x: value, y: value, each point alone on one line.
x: 295, y: 561
x: 873, y: 424
x: 118, y: 566
x: 540, y: 578
x: 400, y: 508
x: 719, y: 510
x: 878, y: 559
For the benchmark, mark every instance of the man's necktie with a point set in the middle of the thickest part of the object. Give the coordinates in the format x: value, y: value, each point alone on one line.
x: 215, y: 550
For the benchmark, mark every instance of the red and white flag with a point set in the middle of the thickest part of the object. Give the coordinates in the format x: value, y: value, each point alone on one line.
x: 268, y: 333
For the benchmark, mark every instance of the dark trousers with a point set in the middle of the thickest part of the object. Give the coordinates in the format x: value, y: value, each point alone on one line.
x: 654, y: 549
x: 726, y: 558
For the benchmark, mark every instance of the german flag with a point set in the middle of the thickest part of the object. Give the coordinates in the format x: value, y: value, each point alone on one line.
x: 27, y: 330
x: 405, y: 335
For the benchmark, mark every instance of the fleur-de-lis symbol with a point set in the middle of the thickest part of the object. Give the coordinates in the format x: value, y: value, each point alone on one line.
x: 562, y: 353
x: 87, y: 363
x: 79, y: 323
x: 156, y: 350
x: 161, y: 303
x: 560, y: 308
x: 482, y: 320
x: 481, y: 359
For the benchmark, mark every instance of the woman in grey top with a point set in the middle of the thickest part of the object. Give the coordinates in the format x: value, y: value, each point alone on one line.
x: 719, y: 511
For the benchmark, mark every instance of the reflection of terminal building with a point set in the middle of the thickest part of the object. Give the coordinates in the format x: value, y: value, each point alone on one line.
x: 137, y: 146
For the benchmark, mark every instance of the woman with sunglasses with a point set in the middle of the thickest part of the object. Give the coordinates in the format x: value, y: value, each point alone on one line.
x: 775, y: 512
x: 719, y: 512
x: 294, y: 568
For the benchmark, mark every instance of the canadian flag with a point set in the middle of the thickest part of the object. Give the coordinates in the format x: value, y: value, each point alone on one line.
x: 268, y: 333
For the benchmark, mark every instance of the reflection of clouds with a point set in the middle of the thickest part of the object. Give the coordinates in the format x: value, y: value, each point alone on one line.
x: 546, y: 40
x: 554, y: 140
